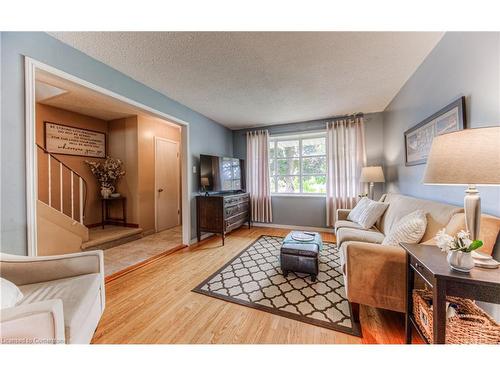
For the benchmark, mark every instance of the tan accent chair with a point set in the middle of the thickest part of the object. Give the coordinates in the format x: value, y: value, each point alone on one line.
x: 374, y: 274
x: 63, y: 301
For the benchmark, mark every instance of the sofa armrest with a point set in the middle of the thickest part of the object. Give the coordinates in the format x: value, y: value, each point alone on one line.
x: 34, y: 323
x: 342, y: 213
x: 22, y: 270
x: 375, y: 275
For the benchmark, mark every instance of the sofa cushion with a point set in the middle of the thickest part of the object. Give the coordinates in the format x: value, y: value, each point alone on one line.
x: 362, y: 235
x: 409, y: 229
x: 346, y: 224
x: 371, y: 214
x: 78, y: 295
x: 438, y: 214
x: 358, y: 209
x: 488, y: 231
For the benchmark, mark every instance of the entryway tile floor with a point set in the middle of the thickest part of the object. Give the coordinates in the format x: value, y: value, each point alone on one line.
x: 126, y: 255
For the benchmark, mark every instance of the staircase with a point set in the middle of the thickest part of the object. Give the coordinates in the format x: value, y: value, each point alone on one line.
x: 61, y: 211
x: 61, y: 207
x: 111, y: 236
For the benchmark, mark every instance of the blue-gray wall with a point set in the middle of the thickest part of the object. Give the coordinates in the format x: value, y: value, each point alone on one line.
x: 311, y: 211
x: 206, y: 136
x: 462, y: 63
x: 465, y: 63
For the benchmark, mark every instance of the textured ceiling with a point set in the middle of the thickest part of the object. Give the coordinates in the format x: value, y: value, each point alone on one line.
x: 246, y: 79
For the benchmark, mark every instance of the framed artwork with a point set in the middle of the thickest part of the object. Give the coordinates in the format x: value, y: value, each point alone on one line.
x: 418, y: 139
x: 68, y: 140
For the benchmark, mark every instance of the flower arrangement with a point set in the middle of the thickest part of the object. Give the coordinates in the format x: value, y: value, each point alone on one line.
x: 461, y: 242
x: 459, y: 249
x: 108, y: 172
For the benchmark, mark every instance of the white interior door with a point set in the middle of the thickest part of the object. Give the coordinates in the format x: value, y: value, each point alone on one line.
x: 167, y: 184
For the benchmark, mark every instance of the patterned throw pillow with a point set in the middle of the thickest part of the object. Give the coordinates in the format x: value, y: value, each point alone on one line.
x: 358, y: 209
x: 409, y: 229
x: 371, y: 214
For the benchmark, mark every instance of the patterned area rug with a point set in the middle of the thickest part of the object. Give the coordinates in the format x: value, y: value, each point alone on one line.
x: 253, y: 278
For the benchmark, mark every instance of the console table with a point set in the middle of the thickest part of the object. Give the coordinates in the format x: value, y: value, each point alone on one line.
x: 105, y: 210
x: 429, y: 263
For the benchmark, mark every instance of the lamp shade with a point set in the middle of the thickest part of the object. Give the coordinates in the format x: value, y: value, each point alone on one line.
x: 204, y: 181
x: 467, y: 157
x: 372, y: 174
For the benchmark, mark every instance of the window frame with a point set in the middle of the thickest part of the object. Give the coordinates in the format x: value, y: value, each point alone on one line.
x: 273, y: 178
x: 232, y: 168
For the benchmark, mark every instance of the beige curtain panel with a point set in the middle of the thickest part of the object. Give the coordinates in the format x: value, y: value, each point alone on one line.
x: 258, y: 184
x: 346, y: 156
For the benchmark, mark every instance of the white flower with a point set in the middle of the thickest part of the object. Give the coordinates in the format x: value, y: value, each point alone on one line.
x: 444, y: 241
x: 463, y: 234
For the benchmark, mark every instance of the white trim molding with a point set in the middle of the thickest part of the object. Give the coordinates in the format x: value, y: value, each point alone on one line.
x: 31, y: 66
x: 31, y: 152
x: 293, y: 227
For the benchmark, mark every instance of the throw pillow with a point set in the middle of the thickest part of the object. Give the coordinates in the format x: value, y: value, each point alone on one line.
x: 10, y: 293
x: 358, y: 209
x: 371, y: 214
x: 409, y: 229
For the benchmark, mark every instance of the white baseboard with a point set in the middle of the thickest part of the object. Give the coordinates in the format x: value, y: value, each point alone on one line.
x: 270, y: 225
x: 295, y: 227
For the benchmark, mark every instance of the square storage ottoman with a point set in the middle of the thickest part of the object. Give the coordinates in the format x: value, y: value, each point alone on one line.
x: 300, y: 256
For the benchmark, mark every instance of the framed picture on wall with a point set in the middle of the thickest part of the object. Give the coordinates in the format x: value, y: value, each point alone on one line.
x: 418, y: 139
x: 68, y: 140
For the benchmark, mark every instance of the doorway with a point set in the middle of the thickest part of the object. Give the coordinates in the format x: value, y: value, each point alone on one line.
x: 111, y: 102
x: 167, y: 184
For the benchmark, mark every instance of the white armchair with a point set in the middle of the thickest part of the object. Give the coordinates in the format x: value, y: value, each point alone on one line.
x: 64, y: 298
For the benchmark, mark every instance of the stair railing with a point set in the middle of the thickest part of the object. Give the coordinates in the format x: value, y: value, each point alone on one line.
x: 82, y: 187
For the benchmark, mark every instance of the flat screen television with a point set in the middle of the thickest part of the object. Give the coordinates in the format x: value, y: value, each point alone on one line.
x: 221, y: 174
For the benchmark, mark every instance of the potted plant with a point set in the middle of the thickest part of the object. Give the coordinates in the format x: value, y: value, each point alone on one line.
x: 107, y: 173
x: 459, y: 249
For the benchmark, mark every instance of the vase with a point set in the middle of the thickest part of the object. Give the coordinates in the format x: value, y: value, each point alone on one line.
x: 106, y: 191
x: 460, y: 260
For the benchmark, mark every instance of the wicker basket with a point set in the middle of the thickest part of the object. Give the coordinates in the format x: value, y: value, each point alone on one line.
x: 470, y: 325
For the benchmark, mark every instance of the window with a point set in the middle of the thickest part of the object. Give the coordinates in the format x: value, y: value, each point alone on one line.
x: 231, y: 174
x: 298, y: 164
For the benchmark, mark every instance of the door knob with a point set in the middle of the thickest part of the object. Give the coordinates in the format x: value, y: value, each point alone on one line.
x: 160, y: 190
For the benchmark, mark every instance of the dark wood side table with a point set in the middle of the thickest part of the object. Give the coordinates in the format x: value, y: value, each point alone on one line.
x: 429, y: 263
x: 105, y: 210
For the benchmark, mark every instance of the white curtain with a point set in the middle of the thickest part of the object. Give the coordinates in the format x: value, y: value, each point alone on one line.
x: 258, y: 185
x: 346, y: 156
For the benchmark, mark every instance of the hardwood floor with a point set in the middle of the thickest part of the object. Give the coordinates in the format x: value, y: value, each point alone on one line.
x: 155, y: 305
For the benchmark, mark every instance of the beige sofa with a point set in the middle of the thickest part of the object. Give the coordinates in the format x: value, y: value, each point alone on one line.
x: 374, y: 274
x: 63, y: 301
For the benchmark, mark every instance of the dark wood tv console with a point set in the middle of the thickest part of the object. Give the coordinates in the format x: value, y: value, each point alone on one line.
x: 222, y: 213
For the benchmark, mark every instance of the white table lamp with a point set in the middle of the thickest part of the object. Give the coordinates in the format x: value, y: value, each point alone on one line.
x: 372, y: 175
x: 469, y: 157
